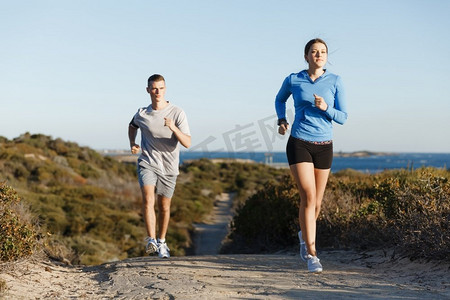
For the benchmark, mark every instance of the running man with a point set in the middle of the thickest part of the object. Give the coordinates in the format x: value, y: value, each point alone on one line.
x: 163, y: 127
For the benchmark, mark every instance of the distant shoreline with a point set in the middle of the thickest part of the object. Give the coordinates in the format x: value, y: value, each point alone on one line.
x: 126, y: 157
x: 362, y: 154
x: 363, y: 161
x: 336, y: 154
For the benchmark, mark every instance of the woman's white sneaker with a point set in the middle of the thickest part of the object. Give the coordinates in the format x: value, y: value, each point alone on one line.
x: 314, y: 264
x: 163, y: 250
x: 151, y: 246
x: 303, y: 251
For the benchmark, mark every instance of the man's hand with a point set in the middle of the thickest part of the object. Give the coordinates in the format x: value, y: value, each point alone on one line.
x: 169, y: 123
x: 184, y: 139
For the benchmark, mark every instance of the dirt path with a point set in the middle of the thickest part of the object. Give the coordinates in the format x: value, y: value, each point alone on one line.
x: 209, y: 235
x: 346, y: 275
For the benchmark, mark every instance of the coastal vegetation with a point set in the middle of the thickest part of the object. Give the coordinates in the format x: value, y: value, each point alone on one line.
x: 18, y: 235
x: 404, y: 210
x: 87, y: 207
x: 81, y: 207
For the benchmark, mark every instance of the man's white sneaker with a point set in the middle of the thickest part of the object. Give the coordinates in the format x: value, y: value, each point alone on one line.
x: 303, y: 251
x: 314, y: 264
x: 151, y: 246
x: 163, y: 250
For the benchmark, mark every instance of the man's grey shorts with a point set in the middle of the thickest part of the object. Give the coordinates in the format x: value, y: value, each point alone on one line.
x: 165, y: 184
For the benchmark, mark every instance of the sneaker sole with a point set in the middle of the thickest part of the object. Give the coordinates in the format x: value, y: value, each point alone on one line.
x: 316, y: 271
x: 166, y: 255
x: 151, y: 249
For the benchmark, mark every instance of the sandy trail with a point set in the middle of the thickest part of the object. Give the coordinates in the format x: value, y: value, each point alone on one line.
x: 346, y: 276
x: 210, y: 234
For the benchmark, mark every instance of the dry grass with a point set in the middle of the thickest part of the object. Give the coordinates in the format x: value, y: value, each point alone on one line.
x: 403, y: 209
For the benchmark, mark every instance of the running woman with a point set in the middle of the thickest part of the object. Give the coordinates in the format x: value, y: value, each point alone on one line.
x: 319, y: 99
x: 163, y: 127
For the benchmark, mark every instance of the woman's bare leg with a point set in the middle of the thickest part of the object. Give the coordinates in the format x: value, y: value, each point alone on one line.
x: 304, y: 177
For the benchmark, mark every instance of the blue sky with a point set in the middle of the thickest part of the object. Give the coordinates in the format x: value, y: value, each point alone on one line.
x: 77, y: 70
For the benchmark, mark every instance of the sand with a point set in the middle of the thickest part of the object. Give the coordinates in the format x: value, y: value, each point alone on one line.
x: 346, y: 275
x: 209, y: 235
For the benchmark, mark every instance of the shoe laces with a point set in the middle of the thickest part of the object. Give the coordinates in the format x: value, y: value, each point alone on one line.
x: 164, y: 246
x: 313, y: 258
x: 148, y: 239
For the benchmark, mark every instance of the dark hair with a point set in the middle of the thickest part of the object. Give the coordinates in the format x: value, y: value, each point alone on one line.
x: 313, y: 41
x: 154, y: 78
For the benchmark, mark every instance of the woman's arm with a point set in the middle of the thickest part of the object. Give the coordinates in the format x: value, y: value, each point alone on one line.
x: 281, y: 98
x: 338, y: 113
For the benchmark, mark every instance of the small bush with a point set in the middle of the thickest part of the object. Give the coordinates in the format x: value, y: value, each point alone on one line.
x: 56, y: 248
x: 18, y: 235
x: 408, y: 210
x: 269, y: 219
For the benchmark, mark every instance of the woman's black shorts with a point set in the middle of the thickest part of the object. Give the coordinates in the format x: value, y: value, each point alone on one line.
x: 321, y: 155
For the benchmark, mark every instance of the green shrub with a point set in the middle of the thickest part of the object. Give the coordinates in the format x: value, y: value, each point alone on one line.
x: 94, y: 251
x: 55, y: 220
x: 407, y: 210
x: 3, y: 139
x: 18, y: 235
x: 269, y: 219
x: 419, y: 212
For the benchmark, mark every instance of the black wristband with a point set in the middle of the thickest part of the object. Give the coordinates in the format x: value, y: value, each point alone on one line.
x: 281, y: 121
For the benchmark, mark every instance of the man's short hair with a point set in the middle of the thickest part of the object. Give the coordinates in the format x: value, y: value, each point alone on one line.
x: 155, y: 78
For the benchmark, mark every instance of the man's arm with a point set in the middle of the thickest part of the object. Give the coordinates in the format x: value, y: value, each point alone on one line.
x: 184, y: 139
x: 132, y: 133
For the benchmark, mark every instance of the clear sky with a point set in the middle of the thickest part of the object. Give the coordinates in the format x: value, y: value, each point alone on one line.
x: 77, y: 70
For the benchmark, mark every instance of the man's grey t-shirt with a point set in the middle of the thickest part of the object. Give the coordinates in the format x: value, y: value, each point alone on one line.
x: 160, y: 147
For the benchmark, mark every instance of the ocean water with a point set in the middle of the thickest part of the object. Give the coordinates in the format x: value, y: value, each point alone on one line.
x: 369, y: 164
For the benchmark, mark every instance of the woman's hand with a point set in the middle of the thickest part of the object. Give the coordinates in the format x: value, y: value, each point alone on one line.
x: 320, y: 103
x: 283, y: 128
